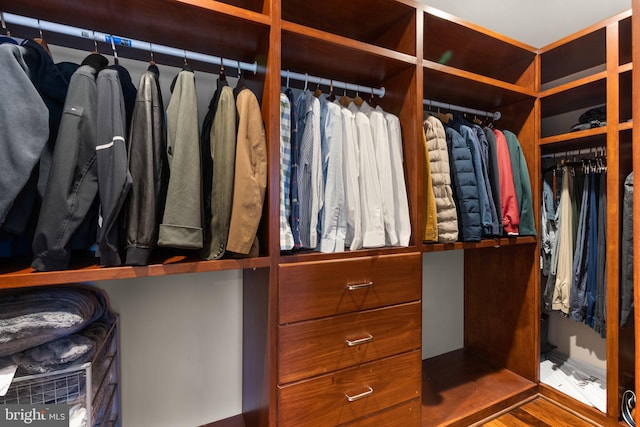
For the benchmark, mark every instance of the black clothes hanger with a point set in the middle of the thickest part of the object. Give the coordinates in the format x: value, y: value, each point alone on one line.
x: 222, y: 75
x: 242, y: 84
x: 186, y: 66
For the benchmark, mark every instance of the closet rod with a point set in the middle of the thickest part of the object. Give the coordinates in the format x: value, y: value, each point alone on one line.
x: 596, y: 151
x: 113, y: 40
x: 438, y: 104
x: 379, y: 92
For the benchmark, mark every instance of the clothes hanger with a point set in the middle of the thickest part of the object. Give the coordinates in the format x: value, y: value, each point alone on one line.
x: 223, y: 76
x: 41, y: 41
x: 371, y: 101
x: 318, y: 91
x: 358, y: 100
x: 115, y: 52
x: 186, y: 66
x: 331, y: 97
x: 306, y: 81
x: 4, y: 25
x: 151, y: 60
x: 344, y: 99
x: 287, y: 86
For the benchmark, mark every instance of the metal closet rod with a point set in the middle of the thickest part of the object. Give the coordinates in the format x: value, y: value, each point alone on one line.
x: 599, y: 151
x: 114, y: 41
x: 494, y: 115
x: 379, y: 92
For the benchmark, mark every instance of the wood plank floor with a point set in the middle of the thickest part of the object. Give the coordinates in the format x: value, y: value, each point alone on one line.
x: 539, y: 412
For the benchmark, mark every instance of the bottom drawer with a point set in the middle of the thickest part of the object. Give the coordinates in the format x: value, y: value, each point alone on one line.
x: 344, y: 396
x: 405, y: 415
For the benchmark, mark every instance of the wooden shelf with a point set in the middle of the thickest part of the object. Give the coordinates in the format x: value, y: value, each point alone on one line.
x: 486, y: 243
x: 308, y: 255
x: 385, y: 23
x: 475, y: 49
x: 460, y: 388
x: 335, y: 57
x: 236, y: 421
x: 239, y: 33
x: 584, y: 137
x: 85, y: 270
x: 451, y: 85
x: 584, y: 93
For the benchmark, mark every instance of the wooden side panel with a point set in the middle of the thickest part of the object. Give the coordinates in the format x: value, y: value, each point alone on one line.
x: 501, y: 309
x: 636, y: 176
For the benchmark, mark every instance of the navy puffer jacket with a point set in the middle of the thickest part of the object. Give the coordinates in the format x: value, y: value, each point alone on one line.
x: 465, y: 187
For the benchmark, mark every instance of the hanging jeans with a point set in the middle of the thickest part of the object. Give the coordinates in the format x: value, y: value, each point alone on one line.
x: 600, y: 325
x: 592, y: 263
x: 579, y: 278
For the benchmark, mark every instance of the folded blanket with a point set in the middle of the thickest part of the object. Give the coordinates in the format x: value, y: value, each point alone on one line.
x: 29, y: 318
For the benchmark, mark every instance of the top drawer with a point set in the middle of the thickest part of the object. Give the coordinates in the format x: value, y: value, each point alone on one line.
x: 309, y: 290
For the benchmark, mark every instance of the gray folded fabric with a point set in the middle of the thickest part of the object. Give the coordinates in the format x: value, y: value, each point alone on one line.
x: 29, y: 318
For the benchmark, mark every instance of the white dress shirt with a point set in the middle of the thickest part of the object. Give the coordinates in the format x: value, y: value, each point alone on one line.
x: 333, y: 213
x: 351, y: 174
x: 370, y: 193
x: 380, y: 135
x: 401, y: 203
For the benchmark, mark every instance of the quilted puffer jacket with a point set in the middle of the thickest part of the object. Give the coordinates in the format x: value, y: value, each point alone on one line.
x: 447, y: 217
x: 465, y: 187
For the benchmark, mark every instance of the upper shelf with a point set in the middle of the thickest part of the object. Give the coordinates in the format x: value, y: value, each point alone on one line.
x: 307, y: 50
x: 459, y: 44
x: 583, y: 51
x: 385, y: 23
x: 213, y: 27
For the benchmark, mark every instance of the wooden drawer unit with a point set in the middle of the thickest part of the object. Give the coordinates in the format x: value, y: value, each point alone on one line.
x: 310, y: 290
x: 347, y: 395
x: 316, y: 347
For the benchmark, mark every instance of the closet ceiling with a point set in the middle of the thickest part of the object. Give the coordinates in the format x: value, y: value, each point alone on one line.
x: 536, y: 23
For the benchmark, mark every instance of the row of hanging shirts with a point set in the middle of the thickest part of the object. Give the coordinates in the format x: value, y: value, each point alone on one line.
x: 342, y: 181
x: 573, y: 250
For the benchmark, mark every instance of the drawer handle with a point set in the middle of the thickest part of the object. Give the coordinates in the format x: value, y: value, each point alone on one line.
x: 359, y: 341
x: 362, y: 395
x: 358, y: 286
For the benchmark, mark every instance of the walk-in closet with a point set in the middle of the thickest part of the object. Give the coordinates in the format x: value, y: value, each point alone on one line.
x: 349, y: 302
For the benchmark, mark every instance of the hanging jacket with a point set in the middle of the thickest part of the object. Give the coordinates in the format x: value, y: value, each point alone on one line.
x: 483, y: 148
x: 493, y: 171
x: 222, y: 155
x: 627, y: 256
x: 149, y: 171
x: 522, y: 185
x: 69, y: 202
x: 446, y: 214
x: 114, y: 179
x: 429, y: 209
x: 473, y: 144
x: 250, y: 176
x: 24, y: 127
x: 465, y: 186
x: 182, y: 221
x: 508, y: 198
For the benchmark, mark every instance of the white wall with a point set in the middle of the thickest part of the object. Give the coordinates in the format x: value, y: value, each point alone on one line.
x: 442, y: 302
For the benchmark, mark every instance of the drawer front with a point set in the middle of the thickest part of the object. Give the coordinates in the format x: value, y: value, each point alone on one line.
x: 405, y: 415
x: 353, y: 393
x: 309, y: 290
x: 315, y: 347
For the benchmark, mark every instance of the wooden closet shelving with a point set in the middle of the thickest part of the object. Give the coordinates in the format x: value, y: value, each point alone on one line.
x: 414, y: 52
x: 589, y: 69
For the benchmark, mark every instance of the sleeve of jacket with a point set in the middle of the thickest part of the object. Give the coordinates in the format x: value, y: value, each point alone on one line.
x: 114, y: 179
x: 250, y: 176
x: 182, y: 221
x: 508, y: 198
x: 73, y: 182
x: 24, y: 126
x: 429, y: 201
x: 147, y: 165
x: 465, y: 187
x: 494, y: 174
x: 522, y: 185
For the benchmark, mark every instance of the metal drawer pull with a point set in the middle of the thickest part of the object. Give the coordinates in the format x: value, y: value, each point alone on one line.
x: 359, y: 396
x: 358, y: 286
x: 359, y: 341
